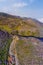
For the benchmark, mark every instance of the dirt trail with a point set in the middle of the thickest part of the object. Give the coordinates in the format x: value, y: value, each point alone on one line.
x: 12, y: 50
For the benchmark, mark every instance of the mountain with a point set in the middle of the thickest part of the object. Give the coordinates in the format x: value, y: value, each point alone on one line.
x: 20, y: 40
x: 22, y: 26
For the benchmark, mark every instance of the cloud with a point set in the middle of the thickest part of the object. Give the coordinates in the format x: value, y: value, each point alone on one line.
x: 19, y: 5
x: 4, y: 9
x: 41, y: 20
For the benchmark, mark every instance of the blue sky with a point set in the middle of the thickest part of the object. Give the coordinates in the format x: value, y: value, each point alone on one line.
x: 24, y: 8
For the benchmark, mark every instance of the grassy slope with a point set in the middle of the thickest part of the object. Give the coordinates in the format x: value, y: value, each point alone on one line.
x: 27, y: 52
x: 21, y: 27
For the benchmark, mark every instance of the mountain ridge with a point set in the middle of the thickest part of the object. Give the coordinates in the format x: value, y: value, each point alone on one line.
x: 11, y: 15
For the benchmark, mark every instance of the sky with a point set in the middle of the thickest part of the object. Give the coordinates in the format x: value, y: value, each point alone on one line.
x: 23, y: 8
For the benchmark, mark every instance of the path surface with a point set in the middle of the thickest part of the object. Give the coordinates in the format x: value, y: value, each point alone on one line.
x: 12, y: 50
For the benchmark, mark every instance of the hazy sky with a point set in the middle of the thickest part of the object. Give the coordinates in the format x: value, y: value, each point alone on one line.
x: 26, y: 8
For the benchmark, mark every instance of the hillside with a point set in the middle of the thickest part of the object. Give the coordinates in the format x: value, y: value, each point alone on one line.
x: 21, y: 26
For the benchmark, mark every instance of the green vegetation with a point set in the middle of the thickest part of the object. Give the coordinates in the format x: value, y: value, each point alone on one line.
x: 6, y: 28
x: 4, y: 52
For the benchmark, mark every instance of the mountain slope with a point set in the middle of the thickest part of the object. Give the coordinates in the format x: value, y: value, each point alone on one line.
x: 21, y: 26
